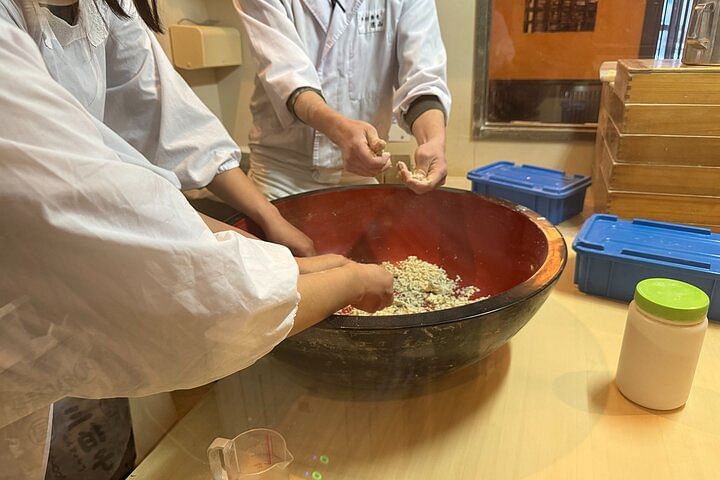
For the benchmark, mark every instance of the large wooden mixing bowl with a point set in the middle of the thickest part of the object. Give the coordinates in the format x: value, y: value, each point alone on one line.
x: 509, y: 252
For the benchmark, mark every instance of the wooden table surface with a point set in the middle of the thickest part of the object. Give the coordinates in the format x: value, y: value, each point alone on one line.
x: 542, y: 407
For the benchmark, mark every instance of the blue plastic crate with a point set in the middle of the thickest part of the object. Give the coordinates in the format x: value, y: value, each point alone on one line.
x: 552, y: 193
x: 614, y: 255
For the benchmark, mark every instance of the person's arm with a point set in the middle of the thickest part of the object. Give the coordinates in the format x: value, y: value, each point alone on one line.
x: 110, y: 280
x: 238, y: 191
x: 320, y: 263
x: 367, y: 287
x: 422, y: 80
x: 429, y: 130
x: 292, y: 85
x: 152, y: 108
x: 358, y: 141
x: 314, y: 264
x: 283, y: 65
x: 216, y: 226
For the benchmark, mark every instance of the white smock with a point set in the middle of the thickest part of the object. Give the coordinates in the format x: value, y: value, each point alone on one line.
x: 110, y: 283
x: 117, y: 70
x: 370, y: 61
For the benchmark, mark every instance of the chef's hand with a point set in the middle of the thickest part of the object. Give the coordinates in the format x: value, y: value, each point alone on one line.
x: 282, y: 232
x: 432, y: 166
x: 321, y: 263
x: 358, y: 141
x: 429, y: 130
x: 377, y: 292
x: 362, y: 149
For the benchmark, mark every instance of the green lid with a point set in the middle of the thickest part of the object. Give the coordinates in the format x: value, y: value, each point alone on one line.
x: 672, y: 300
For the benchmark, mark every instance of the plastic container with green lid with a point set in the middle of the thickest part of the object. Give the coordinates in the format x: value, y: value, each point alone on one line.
x: 661, y: 346
x: 672, y: 301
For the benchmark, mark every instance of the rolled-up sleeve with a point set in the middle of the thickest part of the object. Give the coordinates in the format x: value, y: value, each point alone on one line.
x: 422, y: 59
x: 151, y: 107
x: 283, y: 64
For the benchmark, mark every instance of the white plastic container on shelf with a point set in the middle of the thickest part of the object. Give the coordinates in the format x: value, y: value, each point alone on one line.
x: 661, y: 346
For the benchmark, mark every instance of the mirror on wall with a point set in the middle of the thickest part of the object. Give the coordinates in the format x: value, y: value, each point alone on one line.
x: 537, y: 61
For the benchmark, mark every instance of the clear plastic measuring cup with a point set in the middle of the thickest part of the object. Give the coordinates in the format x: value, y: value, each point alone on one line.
x: 253, y: 455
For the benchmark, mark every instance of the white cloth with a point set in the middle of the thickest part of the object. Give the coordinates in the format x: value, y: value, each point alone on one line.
x: 370, y: 62
x: 117, y: 70
x: 110, y: 283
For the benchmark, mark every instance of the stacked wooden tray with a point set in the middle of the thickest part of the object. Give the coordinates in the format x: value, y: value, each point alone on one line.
x: 658, y: 143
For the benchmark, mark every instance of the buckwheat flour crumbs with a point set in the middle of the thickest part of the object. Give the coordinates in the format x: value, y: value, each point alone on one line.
x: 421, y: 287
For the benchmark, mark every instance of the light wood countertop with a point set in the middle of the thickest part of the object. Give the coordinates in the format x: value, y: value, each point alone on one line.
x: 542, y: 407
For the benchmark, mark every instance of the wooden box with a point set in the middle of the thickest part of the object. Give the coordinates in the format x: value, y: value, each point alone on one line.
x: 637, y: 177
x: 658, y: 144
x: 666, y: 82
x: 687, y: 209
x: 663, y: 119
x: 659, y: 149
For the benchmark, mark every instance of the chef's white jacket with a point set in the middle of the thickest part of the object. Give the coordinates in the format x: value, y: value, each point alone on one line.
x: 370, y: 61
x: 110, y: 283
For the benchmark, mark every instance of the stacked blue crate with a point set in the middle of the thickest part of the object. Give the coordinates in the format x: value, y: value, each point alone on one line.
x: 552, y: 193
x: 614, y: 255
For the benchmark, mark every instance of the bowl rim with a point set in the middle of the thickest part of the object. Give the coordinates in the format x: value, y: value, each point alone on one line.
x: 544, y: 277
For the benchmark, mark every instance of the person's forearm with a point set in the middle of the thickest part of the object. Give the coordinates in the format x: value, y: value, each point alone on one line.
x: 238, y: 191
x: 358, y: 141
x: 312, y: 110
x: 324, y: 293
x: 216, y: 226
x: 320, y: 263
x: 430, y: 127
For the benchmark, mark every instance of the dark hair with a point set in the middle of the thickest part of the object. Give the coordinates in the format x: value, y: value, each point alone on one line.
x: 147, y: 9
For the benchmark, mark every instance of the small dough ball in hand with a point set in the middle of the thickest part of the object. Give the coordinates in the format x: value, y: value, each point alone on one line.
x: 419, y: 174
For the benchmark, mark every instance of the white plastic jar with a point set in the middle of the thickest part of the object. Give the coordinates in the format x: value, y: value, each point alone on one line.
x: 664, y: 333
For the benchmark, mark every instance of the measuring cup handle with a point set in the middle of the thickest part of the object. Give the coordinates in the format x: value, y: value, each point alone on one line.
x: 217, y: 458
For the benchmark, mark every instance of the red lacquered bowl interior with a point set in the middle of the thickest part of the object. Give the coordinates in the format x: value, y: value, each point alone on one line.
x: 490, y: 244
